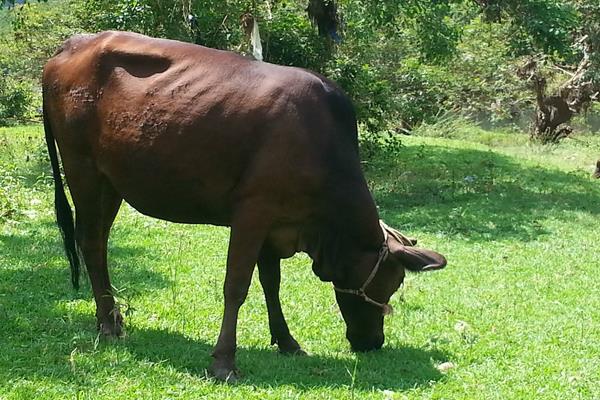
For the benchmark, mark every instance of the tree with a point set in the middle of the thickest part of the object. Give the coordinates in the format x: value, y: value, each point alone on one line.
x: 564, y: 36
x: 401, y: 61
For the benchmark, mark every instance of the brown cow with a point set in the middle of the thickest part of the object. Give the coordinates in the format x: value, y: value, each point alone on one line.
x: 195, y: 135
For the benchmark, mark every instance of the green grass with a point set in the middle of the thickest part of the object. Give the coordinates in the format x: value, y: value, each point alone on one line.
x: 516, y: 311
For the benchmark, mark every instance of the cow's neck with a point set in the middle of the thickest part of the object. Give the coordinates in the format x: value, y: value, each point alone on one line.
x: 355, y: 214
x: 344, y: 240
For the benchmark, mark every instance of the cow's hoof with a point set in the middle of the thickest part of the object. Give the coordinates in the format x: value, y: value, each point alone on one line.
x: 224, y: 373
x: 297, y: 352
x: 290, y: 347
x: 111, y: 326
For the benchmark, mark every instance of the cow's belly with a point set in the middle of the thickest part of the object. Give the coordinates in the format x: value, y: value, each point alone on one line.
x: 174, y: 200
x: 158, y: 201
x: 172, y: 178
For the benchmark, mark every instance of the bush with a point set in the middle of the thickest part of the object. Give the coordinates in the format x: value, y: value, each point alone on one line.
x: 36, y: 32
x: 420, y: 95
x: 19, y: 94
x: 370, y: 91
x: 289, y: 39
x: 481, y: 81
x: 18, y: 100
x: 155, y: 18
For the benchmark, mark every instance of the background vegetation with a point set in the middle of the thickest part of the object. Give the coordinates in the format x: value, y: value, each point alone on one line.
x: 403, y: 62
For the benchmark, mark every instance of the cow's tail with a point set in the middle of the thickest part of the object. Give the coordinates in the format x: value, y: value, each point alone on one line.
x: 64, y: 215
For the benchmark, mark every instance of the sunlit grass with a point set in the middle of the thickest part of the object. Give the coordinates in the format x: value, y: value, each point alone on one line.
x: 516, y: 312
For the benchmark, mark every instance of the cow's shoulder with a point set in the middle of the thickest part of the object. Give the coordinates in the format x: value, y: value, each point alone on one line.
x: 338, y: 103
x: 315, y: 85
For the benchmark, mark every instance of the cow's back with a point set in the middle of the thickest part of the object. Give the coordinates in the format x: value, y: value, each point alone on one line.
x: 182, y: 131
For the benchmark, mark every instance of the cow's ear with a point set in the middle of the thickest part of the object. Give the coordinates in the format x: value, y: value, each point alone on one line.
x: 416, y: 259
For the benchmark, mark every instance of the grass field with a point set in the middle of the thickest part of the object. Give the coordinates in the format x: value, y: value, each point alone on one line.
x: 516, y: 312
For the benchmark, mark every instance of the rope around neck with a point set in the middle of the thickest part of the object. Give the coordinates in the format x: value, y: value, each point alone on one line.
x: 383, y: 253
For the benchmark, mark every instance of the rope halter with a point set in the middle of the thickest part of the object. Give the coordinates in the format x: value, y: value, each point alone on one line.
x: 383, y: 254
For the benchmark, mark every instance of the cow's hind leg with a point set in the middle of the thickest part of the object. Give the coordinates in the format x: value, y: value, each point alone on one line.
x: 270, y: 277
x: 96, y: 206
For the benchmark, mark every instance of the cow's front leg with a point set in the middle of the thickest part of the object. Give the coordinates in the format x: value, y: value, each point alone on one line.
x: 248, y: 231
x: 270, y: 278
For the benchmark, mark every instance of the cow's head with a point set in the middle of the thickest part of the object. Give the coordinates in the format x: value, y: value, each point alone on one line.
x: 362, y: 292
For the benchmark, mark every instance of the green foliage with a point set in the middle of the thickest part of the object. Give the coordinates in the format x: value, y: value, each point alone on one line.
x: 434, y: 33
x: 590, y: 27
x: 17, y: 99
x: 402, y: 62
x: 36, y: 30
x: 536, y: 25
x: 373, y: 145
x: 155, y: 18
x: 379, y: 63
x: 358, y: 79
x: 289, y: 39
x: 425, y: 23
x: 481, y: 81
x: 19, y: 93
x: 13, y: 2
x: 451, y: 126
x: 421, y: 95
x: 130, y: 15
x: 210, y: 23
x: 400, y: 99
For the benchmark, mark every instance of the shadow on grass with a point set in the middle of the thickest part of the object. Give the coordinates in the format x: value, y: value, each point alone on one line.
x: 475, y: 194
x: 41, y: 242
x: 43, y: 321
x: 37, y: 335
x: 390, y: 368
x: 30, y: 287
